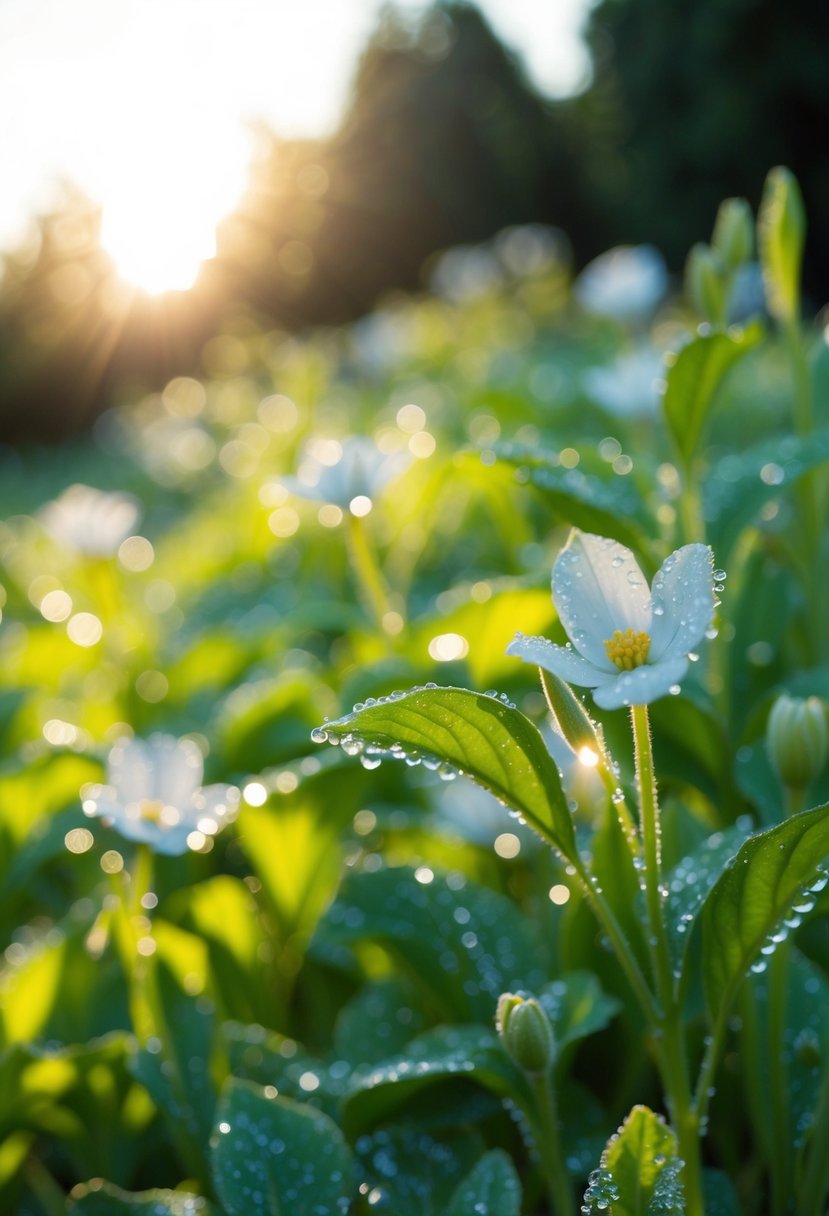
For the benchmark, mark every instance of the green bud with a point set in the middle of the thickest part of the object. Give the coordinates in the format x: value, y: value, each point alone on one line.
x: 781, y: 233
x: 572, y: 720
x: 526, y: 1032
x: 797, y: 740
x: 706, y: 285
x: 733, y: 237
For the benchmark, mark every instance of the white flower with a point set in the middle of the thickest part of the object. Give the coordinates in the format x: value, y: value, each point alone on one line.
x: 629, y: 387
x: 625, y: 283
x: 154, y: 794
x: 630, y: 644
x: 91, y: 521
x: 337, y: 473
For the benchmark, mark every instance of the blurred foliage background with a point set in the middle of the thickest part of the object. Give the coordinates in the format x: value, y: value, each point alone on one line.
x: 444, y: 142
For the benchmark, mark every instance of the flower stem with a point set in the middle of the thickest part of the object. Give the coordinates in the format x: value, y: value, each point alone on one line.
x: 131, y: 889
x: 673, y: 1061
x: 780, y: 1160
x: 685, y: 1120
x: 366, y: 569
x: 651, y: 829
x: 548, y: 1143
x: 815, y: 1183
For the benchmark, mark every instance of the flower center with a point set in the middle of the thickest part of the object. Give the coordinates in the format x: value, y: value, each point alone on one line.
x: 628, y: 650
x: 150, y: 809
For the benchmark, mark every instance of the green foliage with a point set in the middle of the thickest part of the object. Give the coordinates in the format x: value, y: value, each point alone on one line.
x: 781, y: 231
x: 693, y: 379
x: 306, y: 1166
x: 640, y: 1171
x: 774, y: 875
x: 323, y: 972
x: 482, y: 737
x: 493, y: 1185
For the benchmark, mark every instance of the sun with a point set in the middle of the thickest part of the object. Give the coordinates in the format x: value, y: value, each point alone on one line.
x: 159, y: 216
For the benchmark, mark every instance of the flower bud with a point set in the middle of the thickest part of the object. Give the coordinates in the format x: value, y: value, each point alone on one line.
x: 797, y: 740
x: 526, y: 1032
x: 733, y: 237
x: 705, y: 283
x: 781, y: 233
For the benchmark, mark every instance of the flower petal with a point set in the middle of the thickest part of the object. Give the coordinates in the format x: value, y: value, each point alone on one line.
x: 642, y: 685
x: 598, y: 588
x: 683, y: 602
x: 130, y: 770
x: 564, y: 663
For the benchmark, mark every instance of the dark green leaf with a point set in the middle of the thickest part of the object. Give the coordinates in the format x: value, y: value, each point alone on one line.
x: 480, y: 736
x: 273, y: 1157
x: 720, y: 1197
x: 577, y: 1007
x: 768, y: 879
x: 692, y: 878
x: 492, y: 1187
x: 461, y: 944
x: 378, y: 1022
x: 178, y: 1076
x: 410, y: 1171
x: 450, y: 1053
x: 693, y: 379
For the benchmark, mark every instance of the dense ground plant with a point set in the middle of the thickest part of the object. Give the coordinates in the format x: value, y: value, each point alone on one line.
x: 249, y: 975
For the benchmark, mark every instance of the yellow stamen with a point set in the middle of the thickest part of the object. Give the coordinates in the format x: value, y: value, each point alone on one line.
x: 628, y: 650
x: 150, y: 809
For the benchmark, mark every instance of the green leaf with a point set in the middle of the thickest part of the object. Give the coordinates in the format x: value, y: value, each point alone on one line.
x: 414, y: 1171
x: 577, y: 1007
x: 640, y: 1171
x: 693, y: 378
x: 460, y: 943
x: 737, y: 487
x: 378, y: 1022
x: 99, y: 1198
x: 768, y: 879
x: 575, y: 1004
x: 492, y: 1186
x: 274, y: 1157
x: 781, y: 232
x: 719, y: 1195
x: 582, y: 499
x: 692, y: 878
x: 482, y: 737
x: 570, y: 717
x: 450, y: 1053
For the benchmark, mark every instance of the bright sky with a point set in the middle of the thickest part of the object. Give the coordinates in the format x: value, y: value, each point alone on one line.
x: 142, y: 103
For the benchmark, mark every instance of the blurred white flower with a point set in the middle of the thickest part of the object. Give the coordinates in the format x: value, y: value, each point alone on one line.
x: 629, y: 387
x: 629, y: 643
x: 90, y: 521
x: 155, y: 795
x: 383, y: 339
x: 625, y: 284
x: 466, y: 273
x: 339, y: 473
